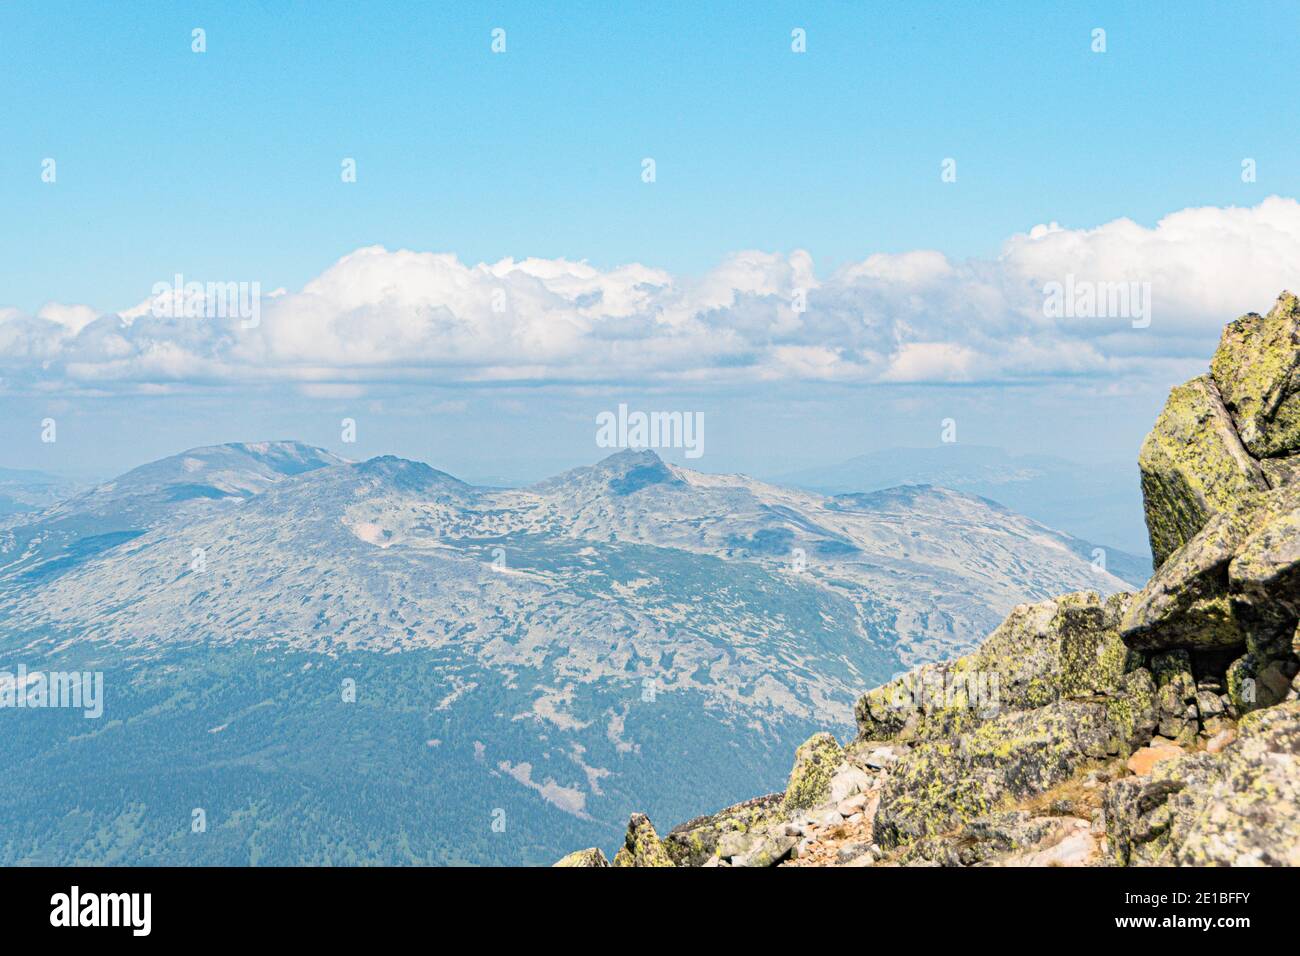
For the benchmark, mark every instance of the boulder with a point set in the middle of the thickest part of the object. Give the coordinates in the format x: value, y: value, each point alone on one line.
x: 1188, y: 601
x: 588, y: 857
x: 1064, y: 648
x: 641, y: 845
x: 847, y: 781
x: 1176, y: 695
x: 1257, y: 371
x: 1192, y: 465
x: 1092, y: 657
x: 1238, y: 807
x: 1243, y: 687
x: 1264, y: 577
x: 943, y: 784
x: 815, y: 764
x: 693, y: 843
x: 984, y: 840
x: 769, y: 851
x: 1133, y: 711
x: 736, y: 843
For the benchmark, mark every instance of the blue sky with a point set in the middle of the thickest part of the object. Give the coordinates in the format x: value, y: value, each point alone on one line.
x: 226, y: 166
x: 227, y: 163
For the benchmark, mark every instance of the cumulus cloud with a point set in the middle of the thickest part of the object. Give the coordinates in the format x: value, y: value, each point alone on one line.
x: 401, y: 316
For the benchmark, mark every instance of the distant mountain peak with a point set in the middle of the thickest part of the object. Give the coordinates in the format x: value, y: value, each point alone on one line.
x: 282, y: 457
x: 621, y: 473
x: 630, y: 458
x: 405, y: 473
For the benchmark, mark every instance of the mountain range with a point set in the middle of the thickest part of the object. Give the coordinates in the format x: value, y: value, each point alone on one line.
x: 373, y: 661
x: 1100, y: 502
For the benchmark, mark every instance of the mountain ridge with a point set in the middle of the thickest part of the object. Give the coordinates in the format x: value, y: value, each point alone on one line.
x: 627, y: 630
x: 1096, y: 501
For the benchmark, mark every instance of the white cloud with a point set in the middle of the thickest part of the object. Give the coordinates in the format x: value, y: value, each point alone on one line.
x: 402, y: 316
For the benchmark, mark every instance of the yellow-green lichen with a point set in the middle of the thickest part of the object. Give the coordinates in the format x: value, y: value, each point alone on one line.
x: 810, y: 778
x: 1192, y: 464
x: 1257, y: 370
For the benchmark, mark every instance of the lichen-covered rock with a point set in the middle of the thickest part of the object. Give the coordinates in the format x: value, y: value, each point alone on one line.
x: 942, y: 784
x: 641, y: 845
x: 885, y: 713
x: 1062, y: 648
x: 1257, y: 370
x: 1133, y: 711
x: 1242, y: 688
x: 984, y: 839
x: 1281, y: 471
x: 1139, y: 810
x: 589, y: 857
x: 1176, y: 692
x: 1186, y: 602
x: 1093, y: 658
x: 815, y: 763
x: 1194, y: 600
x: 1192, y: 465
x: 694, y: 842
x: 1265, y: 579
x: 768, y: 851
x: 1239, y: 807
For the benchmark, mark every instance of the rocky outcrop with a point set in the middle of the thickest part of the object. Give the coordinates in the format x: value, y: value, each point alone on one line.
x: 695, y: 842
x: 588, y: 857
x: 1154, y: 728
x: 1237, y: 807
x: 810, y: 779
x: 1044, y: 652
x: 1257, y: 371
x: 641, y: 845
x: 1232, y: 584
x: 943, y: 784
x: 1229, y: 433
x: 1192, y: 464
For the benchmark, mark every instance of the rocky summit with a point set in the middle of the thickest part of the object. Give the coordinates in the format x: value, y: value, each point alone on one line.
x: 1153, y: 728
